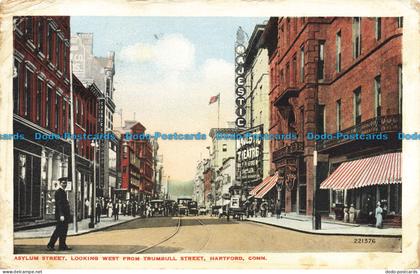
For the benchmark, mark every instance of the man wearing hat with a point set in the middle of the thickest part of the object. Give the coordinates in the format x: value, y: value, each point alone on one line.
x: 62, y: 215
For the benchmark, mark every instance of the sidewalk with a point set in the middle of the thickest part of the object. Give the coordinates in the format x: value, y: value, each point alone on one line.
x: 328, y: 227
x: 83, y: 227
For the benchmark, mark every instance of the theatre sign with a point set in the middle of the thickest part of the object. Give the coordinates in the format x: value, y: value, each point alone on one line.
x: 249, y: 156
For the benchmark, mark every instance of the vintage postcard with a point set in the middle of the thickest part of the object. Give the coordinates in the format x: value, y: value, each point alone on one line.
x: 209, y: 135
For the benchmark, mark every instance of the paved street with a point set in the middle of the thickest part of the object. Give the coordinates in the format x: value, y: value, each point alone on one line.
x: 206, y: 234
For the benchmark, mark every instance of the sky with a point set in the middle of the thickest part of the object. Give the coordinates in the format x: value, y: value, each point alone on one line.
x: 166, y: 70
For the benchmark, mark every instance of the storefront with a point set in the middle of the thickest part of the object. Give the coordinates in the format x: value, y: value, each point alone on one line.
x: 364, y: 182
x: 38, y: 165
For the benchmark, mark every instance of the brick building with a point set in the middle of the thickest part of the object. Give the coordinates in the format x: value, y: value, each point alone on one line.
x: 136, y: 163
x: 85, y: 114
x: 41, y: 104
x: 331, y: 75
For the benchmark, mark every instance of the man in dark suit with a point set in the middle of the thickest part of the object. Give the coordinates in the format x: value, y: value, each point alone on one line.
x: 62, y: 215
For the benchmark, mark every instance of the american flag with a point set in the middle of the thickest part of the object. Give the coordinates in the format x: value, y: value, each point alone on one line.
x: 214, y: 99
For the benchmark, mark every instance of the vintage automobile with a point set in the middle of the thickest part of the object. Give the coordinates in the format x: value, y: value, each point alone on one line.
x: 158, y: 208
x: 193, y: 208
x: 183, y: 208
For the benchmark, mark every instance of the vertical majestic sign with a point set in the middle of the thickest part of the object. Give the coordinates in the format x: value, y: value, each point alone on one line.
x: 101, y: 129
x: 240, y: 78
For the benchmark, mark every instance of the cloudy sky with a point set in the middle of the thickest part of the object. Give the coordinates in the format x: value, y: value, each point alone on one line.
x: 167, y: 68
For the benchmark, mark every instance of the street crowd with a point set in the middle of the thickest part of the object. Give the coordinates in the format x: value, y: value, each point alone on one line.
x: 114, y: 208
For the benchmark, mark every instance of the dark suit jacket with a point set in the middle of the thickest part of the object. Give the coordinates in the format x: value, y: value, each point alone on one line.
x: 62, y: 207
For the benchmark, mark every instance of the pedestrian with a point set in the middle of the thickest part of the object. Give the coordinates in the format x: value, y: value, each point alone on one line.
x: 124, y: 208
x: 115, y: 210
x: 378, y: 215
x: 110, y: 208
x: 346, y: 214
x: 119, y: 207
x: 62, y: 215
x: 88, y: 210
x: 264, y: 207
x: 98, y: 211
x: 352, y: 212
x: 220, y: 212
x: 134, y: 209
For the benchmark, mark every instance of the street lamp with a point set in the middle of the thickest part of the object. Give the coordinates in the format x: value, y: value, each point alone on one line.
x: 93, y: 144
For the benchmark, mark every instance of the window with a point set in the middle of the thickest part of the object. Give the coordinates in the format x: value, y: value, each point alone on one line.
x: 16, y: 87
x: 302, y: 64
x: 38, y: 100
x: 282, y: 76
x: 321, y: 119
x: 108, y: 87
x: 294, y: 70
x: 357, y: 43
x: 338, y: 114
x: 224, y: 147
x: 287, y: 74
x: 28, y: 90
x: 40, y: 35
x: 57, y: 110
x: 321, y: 60
x: 29, y: 28
x: 50, y: 43
x: 57, y: 52
x: 357, y: 106
x: 77, y: 111
x: 288, y: 31
x: 65, y: 61
x: 82, y: 114
x: 48, y: 107
x: 378, y: 96
x: 338, y: 51
x: 400, y: 88
x: 64, y: 118
x: 378, y: 28
x: 399, y: 22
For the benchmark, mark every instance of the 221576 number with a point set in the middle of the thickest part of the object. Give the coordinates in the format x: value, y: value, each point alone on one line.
x: 364, y: 241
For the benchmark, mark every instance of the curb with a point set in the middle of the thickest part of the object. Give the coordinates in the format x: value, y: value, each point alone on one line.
x: 82, y: 233
x: 325, y: 234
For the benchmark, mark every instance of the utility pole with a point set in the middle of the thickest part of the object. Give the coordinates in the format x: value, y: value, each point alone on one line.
x: 73, y: 160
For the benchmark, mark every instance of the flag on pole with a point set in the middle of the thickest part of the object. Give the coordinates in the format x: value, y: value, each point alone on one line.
x: 214, y: 99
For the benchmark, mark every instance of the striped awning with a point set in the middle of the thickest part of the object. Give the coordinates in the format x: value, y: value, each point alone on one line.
x: 379, y: 170
x: 255, y: 190
x: 271, y: 183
